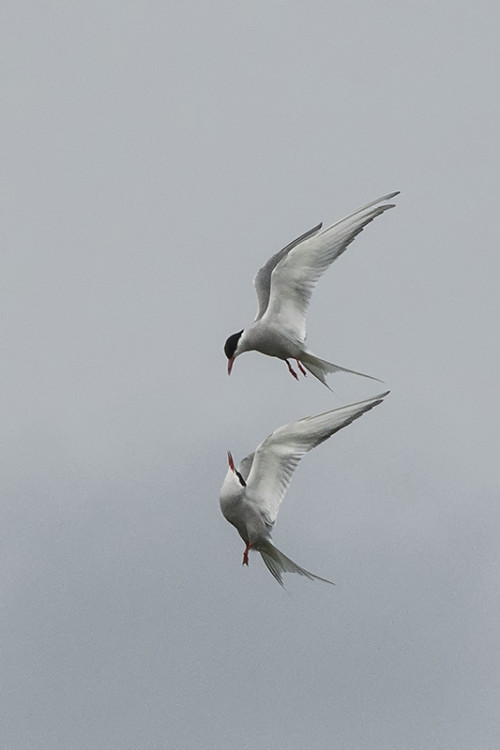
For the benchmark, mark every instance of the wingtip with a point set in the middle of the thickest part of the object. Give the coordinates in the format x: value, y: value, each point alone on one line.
x: 378, y: 399
x: 389, y: 196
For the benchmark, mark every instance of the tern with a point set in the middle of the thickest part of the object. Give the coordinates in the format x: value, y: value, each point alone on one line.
x: 284, y: 286
x: 251, y: 495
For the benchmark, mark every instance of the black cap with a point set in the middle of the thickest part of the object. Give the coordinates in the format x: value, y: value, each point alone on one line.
x: 231, y: 344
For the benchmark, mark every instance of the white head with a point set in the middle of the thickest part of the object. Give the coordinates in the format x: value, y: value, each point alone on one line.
x: 231, y: 493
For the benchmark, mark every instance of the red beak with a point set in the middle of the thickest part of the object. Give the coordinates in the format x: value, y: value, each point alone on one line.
x: 230, y: 460
x: 230, y: 365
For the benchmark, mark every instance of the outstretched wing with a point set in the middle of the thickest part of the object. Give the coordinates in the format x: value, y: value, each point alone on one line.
x: 262, y: 281
x: 295, y: 274
x: 277, y: 456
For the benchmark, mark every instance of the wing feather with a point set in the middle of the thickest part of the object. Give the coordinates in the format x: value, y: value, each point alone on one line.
x: 294, y: 275
x: 246, y: 465
x: 278, y: 455
x: 262, y: 281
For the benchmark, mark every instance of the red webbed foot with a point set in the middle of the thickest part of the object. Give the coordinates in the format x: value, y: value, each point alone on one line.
x: 291, y: 370
x: 245, y: 554
x: 301, y: 368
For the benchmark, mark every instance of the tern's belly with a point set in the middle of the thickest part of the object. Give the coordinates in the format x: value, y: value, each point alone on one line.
x: 268, y: 340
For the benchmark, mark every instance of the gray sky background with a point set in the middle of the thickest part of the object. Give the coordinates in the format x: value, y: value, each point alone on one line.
x: 156, y: 154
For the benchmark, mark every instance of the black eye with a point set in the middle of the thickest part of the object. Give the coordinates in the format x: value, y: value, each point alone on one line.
x: 242, y: 481
x: 231, y: 344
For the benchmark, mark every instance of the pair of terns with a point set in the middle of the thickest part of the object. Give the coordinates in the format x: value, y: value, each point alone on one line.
x: 251, y: 495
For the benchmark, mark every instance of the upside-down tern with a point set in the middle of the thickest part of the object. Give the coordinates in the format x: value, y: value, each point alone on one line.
x: 251, y: 495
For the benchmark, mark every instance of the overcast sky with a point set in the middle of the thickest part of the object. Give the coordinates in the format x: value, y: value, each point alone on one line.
x: 156, y: 154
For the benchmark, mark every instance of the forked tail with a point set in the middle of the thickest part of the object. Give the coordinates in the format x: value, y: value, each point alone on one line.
x: 277, y: 563
x: 320, y: 368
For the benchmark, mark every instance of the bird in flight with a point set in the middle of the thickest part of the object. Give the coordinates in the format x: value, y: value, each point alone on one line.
x: 284, y: 286
x: 251, y: 494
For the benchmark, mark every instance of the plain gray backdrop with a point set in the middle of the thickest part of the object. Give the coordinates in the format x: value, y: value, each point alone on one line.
x: 156, y: 154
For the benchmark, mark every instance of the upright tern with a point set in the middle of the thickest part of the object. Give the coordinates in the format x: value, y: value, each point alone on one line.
x: 251, y: 495
x: 284, y: 286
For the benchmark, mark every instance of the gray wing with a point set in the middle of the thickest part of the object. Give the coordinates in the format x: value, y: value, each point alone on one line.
x: 294, y: 277
x: 246, y: 465
x: 277, y: 456
x: 262, y: 281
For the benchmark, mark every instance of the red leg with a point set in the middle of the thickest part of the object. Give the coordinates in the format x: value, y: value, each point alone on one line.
x: 245, y: 554
x: 291, y: 370
x: 303, y: 371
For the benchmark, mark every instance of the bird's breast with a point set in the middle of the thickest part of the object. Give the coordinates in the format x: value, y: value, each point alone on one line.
x: 271, y: 340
